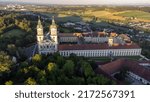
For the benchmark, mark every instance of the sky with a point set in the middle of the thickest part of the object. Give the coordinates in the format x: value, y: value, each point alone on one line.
x: 83, y: 1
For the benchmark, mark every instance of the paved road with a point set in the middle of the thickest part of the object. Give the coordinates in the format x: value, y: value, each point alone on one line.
x: 144, y: 57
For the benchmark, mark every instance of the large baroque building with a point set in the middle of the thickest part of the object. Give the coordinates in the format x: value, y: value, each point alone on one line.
x: 89, y: 44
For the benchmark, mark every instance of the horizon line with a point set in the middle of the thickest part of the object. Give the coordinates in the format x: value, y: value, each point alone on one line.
x: 111, y: 4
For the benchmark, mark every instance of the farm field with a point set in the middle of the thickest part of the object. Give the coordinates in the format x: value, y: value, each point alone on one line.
x: 115, y: 15
x: 137, y: 14
x: 104, y: 14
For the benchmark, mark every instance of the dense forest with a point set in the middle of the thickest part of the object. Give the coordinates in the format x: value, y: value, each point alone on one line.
x: 51, y: 70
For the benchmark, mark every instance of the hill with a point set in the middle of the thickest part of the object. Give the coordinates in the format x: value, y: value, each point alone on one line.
x: 137, y: 14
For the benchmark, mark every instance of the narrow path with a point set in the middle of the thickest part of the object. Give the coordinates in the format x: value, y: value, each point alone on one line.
x: 144, y: 57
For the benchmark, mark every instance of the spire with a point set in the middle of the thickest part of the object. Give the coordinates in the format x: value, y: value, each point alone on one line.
x: 53, y: 25
x: 53, y: 21
x: 39, y: 23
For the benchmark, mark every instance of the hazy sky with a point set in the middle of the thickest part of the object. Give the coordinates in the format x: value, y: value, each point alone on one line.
x: 86, y: 1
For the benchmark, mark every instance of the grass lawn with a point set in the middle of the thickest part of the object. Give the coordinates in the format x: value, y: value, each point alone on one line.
x: 102, y: 59
x: 14, y: 33
x: 106, y: 59
x: 129, y: 57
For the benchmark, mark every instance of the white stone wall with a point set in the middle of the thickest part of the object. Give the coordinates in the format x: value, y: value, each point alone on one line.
x: 47, y: 48
x: 102, y: 53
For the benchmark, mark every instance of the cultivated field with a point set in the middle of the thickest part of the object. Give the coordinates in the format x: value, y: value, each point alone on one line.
x: 123, y: 15
x: 137, y: 14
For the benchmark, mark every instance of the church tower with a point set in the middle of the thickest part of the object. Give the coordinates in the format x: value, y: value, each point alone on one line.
x: 53, y: 31
x: 40, y: 34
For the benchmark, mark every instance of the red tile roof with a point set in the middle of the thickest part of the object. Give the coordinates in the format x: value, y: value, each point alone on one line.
x: 66, y: 35
x: 95, y: 46
x: 132, y: 65
x: 87, y: 34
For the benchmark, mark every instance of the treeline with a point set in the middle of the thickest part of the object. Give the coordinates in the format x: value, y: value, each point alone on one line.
x: 11, y: 21
x: 54, y: 70
x: 6, y: 22
x: 16, y: 32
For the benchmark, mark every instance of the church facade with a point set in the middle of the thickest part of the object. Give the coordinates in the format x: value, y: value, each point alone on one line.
x: 88, y: 44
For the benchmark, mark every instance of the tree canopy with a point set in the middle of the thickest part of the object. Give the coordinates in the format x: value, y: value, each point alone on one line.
x: 5, y: 62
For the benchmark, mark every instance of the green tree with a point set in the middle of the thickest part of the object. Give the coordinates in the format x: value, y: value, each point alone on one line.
x: 16, y: 22
x: 51, y: 67
x: 68, y: 68
x: 9, y: 82
x: 33, y: 71
x: 37, y: 58
x: 42, y: 81
x: 30, y: 81
x: 101, y: 80
x: 5, y: 62
x: 24, y: 64
x: 11, y: 49
x: 60, y: 61
x: 87, y: 69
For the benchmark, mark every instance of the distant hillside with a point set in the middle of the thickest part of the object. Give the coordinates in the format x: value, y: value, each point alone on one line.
x: 137, y: 14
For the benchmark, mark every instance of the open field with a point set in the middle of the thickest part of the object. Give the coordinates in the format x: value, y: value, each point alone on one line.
x: 104, y: 14
x: 137, y: 14
x: 63, y: 18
